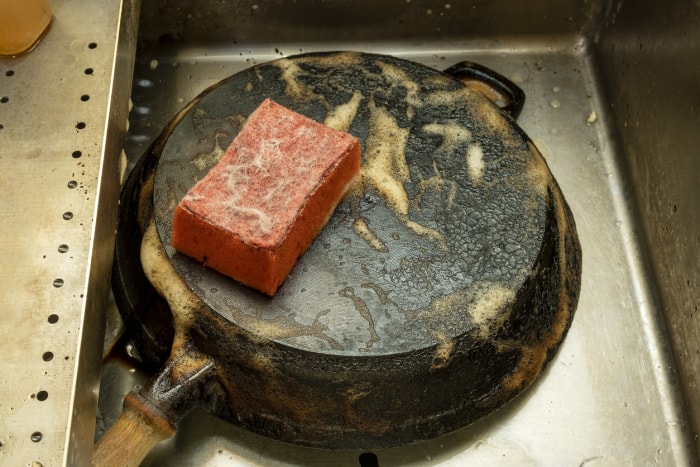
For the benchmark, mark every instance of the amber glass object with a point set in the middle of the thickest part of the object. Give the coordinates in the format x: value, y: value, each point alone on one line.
x: 22, y: 25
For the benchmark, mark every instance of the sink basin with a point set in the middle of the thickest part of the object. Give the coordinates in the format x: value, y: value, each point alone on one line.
x: 612, y: 107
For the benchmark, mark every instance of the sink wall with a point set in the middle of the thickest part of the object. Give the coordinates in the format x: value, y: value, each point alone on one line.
x: 650, y: 69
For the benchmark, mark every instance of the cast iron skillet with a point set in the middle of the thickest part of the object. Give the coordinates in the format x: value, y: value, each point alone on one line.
x: 439, y: 290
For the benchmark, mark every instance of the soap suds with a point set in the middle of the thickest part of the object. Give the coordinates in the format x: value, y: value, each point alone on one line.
x: 294, y: 87
x: 363, y: 231
x: 436, y: 183
x: 487, y: 312
x: 386, y: 169
x: 475, y: 163
x: 204, y: 160
x: 341, y: 117
x: 485, y: 305
x: 454, y: 135
x: 364, y: 311
x: 443, y: 352
x: 399, y: 77
x: 537, y: 171
x: 168, y: 283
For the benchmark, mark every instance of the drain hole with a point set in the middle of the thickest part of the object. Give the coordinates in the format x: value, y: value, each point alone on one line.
x: 58, y: 283
x: 368, y: 459
x: 42, y: 396
x: 9, y: 72
x: 72, y: 184
x: 47, y: 357
x: 67, y: 215
x: 92, y: 45
x: 62, y: 248
x: 89, y: 71
x: 84, y: 98
x: 77, y: 154
x: 4, y: 99
x: 53, y: 318
x: 80, y: 125
x: 36, y: 436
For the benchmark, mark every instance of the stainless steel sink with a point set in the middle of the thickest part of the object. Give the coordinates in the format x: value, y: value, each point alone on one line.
x: 614, y: 108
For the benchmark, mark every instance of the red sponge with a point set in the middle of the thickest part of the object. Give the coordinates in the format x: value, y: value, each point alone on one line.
x: 260, y: 207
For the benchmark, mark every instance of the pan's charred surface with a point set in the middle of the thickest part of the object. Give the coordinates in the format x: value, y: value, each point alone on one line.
x: 438, y: 291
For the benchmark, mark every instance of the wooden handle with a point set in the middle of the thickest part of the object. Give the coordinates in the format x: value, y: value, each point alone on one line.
x: 140, y: 426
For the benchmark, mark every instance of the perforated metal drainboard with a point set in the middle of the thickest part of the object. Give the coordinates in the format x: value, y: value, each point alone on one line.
x: 58, y: 176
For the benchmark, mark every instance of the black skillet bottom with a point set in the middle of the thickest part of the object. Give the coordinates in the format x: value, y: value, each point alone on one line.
x: 438, y: 291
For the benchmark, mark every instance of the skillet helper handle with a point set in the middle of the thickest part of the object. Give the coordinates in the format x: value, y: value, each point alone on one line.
x: 138, y: 429
x: 493, y: 85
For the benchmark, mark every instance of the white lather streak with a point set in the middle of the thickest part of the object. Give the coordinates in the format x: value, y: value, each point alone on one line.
x: 252, y: 167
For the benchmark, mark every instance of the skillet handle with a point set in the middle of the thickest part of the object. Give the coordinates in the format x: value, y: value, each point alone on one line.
x: 494, y: 86
x: 153, y: 414
x: 138, y: 429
